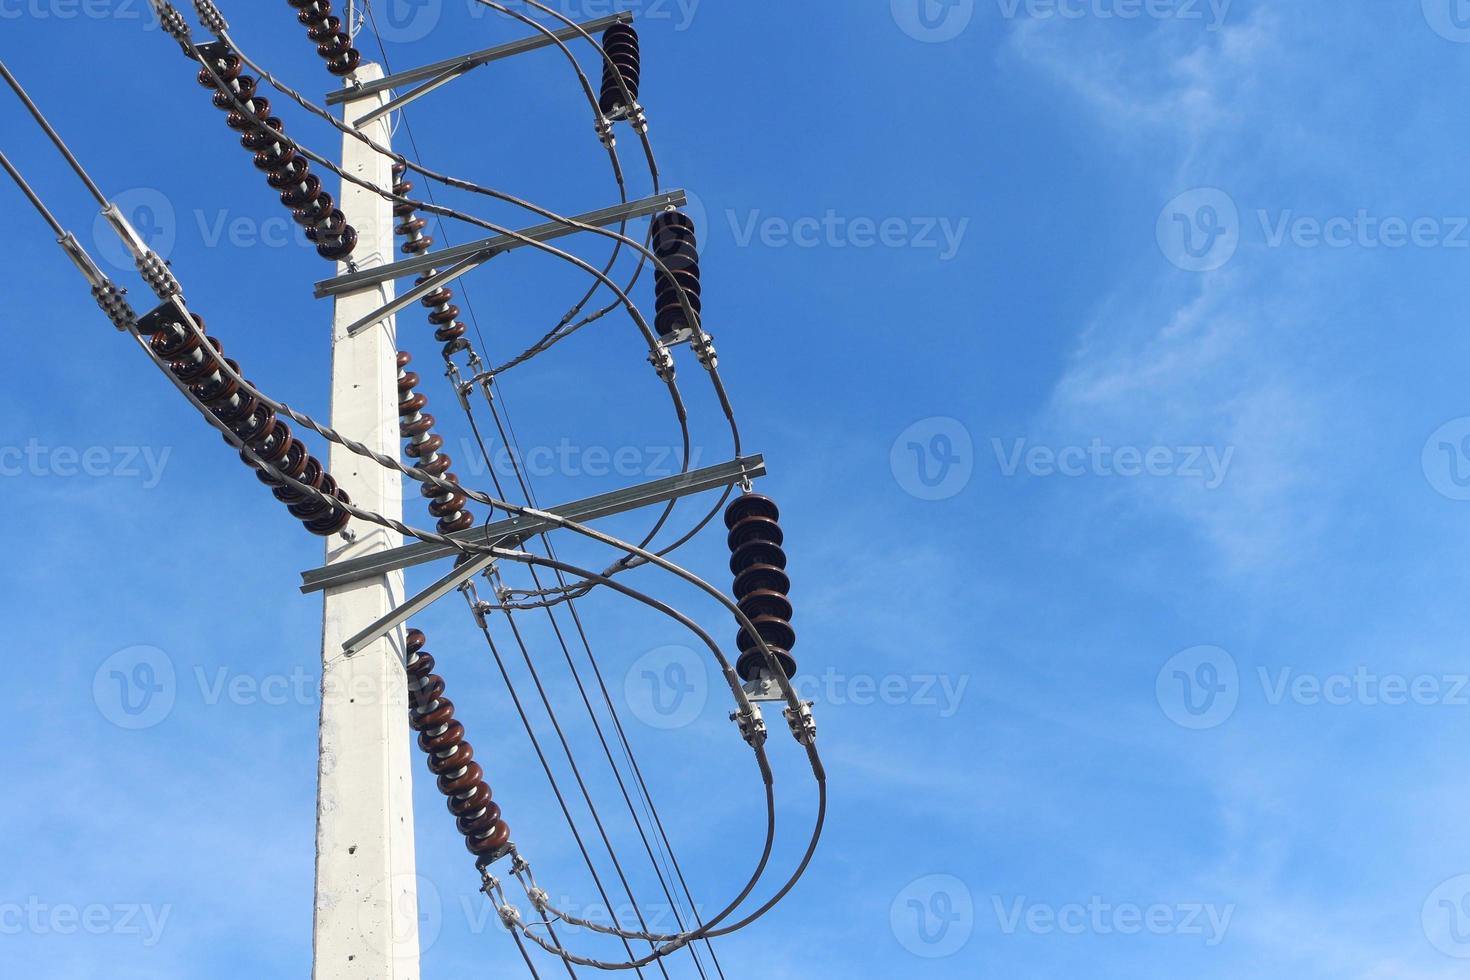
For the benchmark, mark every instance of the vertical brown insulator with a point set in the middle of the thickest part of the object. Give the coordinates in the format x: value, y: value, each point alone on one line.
x: 677, y: 246
x: 758, y: 563
x: 332, y: 43
x: 443, y: 314
x: 417, y: 426
x: 451, y: 758
x: 199, y: 364
x: 620, y: 42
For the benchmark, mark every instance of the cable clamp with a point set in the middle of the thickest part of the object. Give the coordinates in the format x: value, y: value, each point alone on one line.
x: 663, y: 363
x: 803, y: 723
x: 539, y: 898
x: 704, y: 349
x: 605, y: 132
x: 638, y: 120
x: 482, y: 609
x: 510, y: 916
x: 752, y: 725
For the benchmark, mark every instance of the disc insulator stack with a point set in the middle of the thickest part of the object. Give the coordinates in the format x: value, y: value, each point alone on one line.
x: 332, y: 43
x: 451, y: 758
x: 624, y: 60
x: 287, y: 171
x: 443, y: 314
x: 758, y: 563
x: 417, y: 426
x: 197, y: 364
x: 676, y: 245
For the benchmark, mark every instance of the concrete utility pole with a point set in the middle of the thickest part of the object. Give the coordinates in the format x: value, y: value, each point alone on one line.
x: 366, y: 925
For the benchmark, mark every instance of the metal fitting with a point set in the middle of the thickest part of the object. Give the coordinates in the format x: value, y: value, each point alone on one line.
x: 803, y: 724
x: 752, y: 725
x: 209, y: 15
x: 663, y: 363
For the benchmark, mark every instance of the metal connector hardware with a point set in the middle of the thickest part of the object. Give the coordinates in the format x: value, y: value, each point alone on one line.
x: 803, y: 724
x: 752, y: 725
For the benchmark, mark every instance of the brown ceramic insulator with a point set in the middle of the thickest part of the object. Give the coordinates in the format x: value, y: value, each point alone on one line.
x: 200, y: 365
x: 287, y: 171
x: 417, y: 426
x: 333, y: 44
x: 451, y: 757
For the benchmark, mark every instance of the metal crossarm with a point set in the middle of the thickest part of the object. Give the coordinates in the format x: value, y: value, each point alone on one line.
x: 442, y: 72
x: 509, y: 533
x: 486, y: 249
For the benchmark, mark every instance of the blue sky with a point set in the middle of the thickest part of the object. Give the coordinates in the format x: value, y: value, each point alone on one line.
x: 1107, y: 357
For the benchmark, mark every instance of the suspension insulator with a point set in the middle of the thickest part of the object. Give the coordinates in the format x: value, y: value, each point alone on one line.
x: 451, y: 758
x: 417, y: 426
x: 675, y: 244
x: 623, y: 61
x: 758, y: 563
x: 286, y: 170
x: 197, y: 363
x: 443, y: 314
x: 332, y: 43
